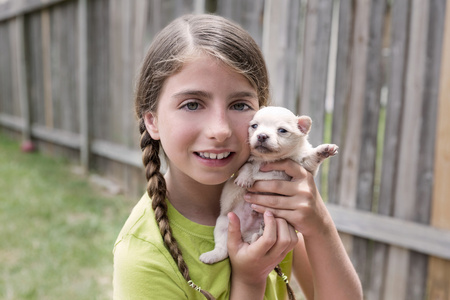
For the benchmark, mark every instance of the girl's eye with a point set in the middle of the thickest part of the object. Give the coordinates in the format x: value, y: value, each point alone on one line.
x: 191, y: 106
x: 282, y: 130
x: 240, y: 106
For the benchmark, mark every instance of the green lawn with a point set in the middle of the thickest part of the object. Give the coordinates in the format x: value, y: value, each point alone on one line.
x: 57, y: 231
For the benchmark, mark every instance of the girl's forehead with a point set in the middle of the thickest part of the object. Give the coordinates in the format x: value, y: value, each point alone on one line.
x: 208, y: 72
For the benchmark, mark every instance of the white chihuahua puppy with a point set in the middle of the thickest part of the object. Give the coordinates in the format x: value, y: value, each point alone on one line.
x: 275, y: 133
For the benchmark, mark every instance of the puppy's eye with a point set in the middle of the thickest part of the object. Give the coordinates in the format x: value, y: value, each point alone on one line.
x: 254, y: 126
x: 282, y: 130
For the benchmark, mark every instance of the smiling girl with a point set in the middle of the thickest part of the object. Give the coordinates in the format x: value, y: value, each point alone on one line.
x: 201, y: 82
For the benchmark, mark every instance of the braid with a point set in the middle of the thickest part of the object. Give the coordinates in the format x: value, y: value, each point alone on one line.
x: 280, y: 273
x: 157, y: 191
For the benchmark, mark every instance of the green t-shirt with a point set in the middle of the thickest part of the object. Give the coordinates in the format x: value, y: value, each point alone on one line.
x: 144, y: 268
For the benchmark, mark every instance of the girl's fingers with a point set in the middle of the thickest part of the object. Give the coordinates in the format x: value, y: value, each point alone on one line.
x: 286, y: 238
x: 288, y: 166
x: 269, y: 237
x: 280, y: 187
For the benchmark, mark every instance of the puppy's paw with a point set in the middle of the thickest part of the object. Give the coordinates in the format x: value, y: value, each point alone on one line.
x: 213, y: 256
x: 243, y: 182
x: 327, y: 150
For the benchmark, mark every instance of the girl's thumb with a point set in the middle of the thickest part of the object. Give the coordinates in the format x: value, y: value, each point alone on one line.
x: 234, y: 232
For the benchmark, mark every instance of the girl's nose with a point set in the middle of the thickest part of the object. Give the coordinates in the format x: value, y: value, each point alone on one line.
x: 219, y: 126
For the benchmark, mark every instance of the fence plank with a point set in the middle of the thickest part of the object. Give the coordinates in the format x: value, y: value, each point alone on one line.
x: 352, y: 143
x: 33, y: 46
x: 64, y: 65
x: 398, y: 53
x: 394, y: 231
x: 22, y: 78
x: 247, y: 13
x: 342, y: 90
x: 46, y: 67
x: 418, y: 265
x: 409, y: 144
x: 316, y: 51
x: 439, y: 270
x: 279, y: 48
x: 369, y: 138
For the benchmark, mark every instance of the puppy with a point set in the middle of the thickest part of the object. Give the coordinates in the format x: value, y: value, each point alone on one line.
x: 275, y: 133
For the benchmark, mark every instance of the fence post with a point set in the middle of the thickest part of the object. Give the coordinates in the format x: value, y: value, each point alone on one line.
x: 82, y: 85
x: 439, y: 269
x: 22, y: 79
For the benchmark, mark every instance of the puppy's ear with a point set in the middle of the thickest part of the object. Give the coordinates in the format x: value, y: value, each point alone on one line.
x: 304, y: 124
x: 151, y: 124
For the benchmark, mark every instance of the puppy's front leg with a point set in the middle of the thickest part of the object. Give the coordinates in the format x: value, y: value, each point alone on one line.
x: 220, y: 251
x: 245, y: 177
x: 317, y: 155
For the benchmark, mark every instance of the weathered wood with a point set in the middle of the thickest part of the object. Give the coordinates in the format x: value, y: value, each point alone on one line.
x: 279, y: 49
x: 369, y: 135
x: 341, y: 94
x: 7, y: 48
x: 22, y: 78
x: 12, y: 57
x: 64, y: 65
x: 46, y: 67
x: 398, y: 21
x: 33, y: 46
x: 126, y: 115
x: 13, y: 8
x: 398, y: 232
x: 352, y: 145
x: 85, y: 135
x: 439, y: 270
x: 248, y: 13
x: 117, y: 152
x: 316, y: 52
x: 100, y: 69
x: 418, y: 264
x: 409, y: 143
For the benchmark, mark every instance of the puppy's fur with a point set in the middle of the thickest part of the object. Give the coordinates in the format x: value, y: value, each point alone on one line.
x: 275, y: 133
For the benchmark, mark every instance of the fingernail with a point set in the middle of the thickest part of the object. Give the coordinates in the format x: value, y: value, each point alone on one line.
x: 247, y: 196
x: 268, y: 213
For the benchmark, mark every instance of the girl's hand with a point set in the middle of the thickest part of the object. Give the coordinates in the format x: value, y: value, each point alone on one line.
x: 252, y: 263
x: 297, y: 201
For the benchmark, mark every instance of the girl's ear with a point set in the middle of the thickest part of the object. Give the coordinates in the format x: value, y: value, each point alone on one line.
x: 151, y: 124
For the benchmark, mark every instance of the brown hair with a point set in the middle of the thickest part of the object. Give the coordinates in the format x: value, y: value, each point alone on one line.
x: 181, y: 40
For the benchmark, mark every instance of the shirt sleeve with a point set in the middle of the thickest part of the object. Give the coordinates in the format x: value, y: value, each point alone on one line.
x: 143, y: 271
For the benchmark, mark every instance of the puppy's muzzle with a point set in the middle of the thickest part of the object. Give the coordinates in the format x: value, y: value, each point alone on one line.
x: 262, y: 137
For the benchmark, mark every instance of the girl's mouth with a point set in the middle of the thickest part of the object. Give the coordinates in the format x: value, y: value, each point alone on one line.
x: 209, y: 155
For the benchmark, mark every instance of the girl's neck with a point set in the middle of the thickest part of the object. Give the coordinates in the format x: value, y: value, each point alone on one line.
x: 197, y: 202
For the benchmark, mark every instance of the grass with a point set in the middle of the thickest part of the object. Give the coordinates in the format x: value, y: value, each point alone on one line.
x: 57, y: 231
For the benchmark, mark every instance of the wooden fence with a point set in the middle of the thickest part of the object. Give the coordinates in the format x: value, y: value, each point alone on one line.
x: 373, y: 74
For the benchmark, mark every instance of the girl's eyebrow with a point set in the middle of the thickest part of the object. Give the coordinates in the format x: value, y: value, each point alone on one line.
x: 243, y: 94
x: 194, y: 93
x: 207, y: 95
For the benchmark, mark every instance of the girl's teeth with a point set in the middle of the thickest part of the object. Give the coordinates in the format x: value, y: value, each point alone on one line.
x: 214, y: 155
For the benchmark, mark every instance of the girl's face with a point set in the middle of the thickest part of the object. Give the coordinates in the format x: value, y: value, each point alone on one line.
x: 202, y: 121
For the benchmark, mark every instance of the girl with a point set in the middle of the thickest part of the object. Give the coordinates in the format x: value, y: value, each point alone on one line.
x: 201, y: 82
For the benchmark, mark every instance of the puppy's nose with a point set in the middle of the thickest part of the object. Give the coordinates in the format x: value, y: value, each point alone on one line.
x: 262, y: 137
